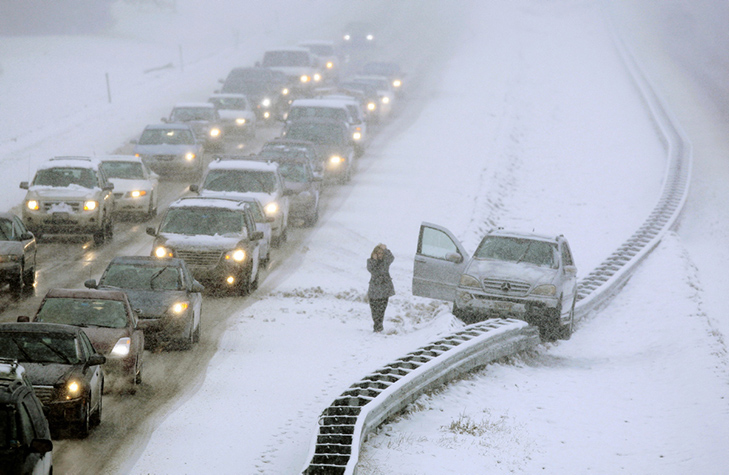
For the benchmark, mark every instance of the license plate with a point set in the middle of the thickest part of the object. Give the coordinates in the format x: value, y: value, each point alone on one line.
x: 60, y: 217
x: 503, y: 306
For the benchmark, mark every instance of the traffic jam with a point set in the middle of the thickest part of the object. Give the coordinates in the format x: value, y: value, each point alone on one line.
x: 318, y: 104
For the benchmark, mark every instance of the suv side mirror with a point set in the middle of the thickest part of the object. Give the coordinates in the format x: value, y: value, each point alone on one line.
x: 572, y: 270
x: 95, y: 360
x: 195, y: 188
x: 454, y: 257
x: 152, y: 232
x: 256, y: 235
x: 24, y: 185
x: 41, y: 446
x: 197, y: 287
x: 26, y: 236
x: 108, y: 186
x: 90, y: 284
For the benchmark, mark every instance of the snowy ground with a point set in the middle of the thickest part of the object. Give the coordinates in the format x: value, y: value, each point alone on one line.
x: 532, y: 123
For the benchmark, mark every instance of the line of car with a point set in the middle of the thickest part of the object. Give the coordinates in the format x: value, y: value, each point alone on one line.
x: 81, y: 343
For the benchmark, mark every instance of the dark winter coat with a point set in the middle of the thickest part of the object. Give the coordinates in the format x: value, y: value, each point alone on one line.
x: 380, y: 281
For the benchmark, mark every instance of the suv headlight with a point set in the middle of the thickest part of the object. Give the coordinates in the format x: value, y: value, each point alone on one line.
x: 317, y: 77
x: 469, y: 281
x: 546, y: 289
x: 271, y: 208
x: 90, y: 205
x: 240, y: 121
x: 266, y: 102
x: 237, y: 255
x: 33, y: 204
x: 336, y: 160
x: 162, y: 252
x: 189, y: 156
x: 214, y: 132
x: 122, y: 347
x: 136, y: 193
x: 74, y: 389
x: 179, y: 308
x: 305, y: 78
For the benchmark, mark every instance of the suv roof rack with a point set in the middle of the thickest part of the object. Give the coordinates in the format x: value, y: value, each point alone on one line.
x: 71, y: 157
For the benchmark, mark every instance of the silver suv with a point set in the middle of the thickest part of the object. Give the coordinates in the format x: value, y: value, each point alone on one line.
x: 528, y: 276
x: 69, y: 195
x: 217, y: 238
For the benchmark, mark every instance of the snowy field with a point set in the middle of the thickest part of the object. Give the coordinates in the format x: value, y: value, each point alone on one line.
x: 531, y: 123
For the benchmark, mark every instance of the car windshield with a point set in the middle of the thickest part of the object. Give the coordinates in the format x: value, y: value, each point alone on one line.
x: 257, y: 212
x: 202, y: 221
x: 6, y: 229
x: 186, y: 114
x: 123, y: 170
x: 65, y: 177
x: 512, y: 249
x: 166, y: 136
x: 36, y: 347
x: 272, y: 59
x: 321, y: 50
x: 297, y: 113
x: 328, y: 134
x: 240, y: 181
x: 83, y: 312
x: 229, y: 103
x: 277, y: 150
x: 142, y: 277
x: 380, y: 84
x: 293, y: 171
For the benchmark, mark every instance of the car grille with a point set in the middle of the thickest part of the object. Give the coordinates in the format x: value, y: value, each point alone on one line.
x: 118, y: 195
x: 164, y: 158
x: 74, y: 205
x: 44, y: 393
x: 505, y: 287
x: 200, y: 258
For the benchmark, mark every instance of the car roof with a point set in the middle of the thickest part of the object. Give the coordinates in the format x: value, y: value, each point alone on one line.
x: 292, y: 142
x: 120, y: 158
x: 206, y: 105
x: 87, y: 294
x: 310, y: 121
x: 143, y: 260
x: 208, y: 202
x: 38, y: 327
x: 70, y: 162
x: 319, y: 102
x: 297, y: 49
x: 525, y: 235
x: 245, y: 164
x: 171, y: 125
x: 228, y: 94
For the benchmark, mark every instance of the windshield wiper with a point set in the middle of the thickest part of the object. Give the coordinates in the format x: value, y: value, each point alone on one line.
x: 524, y: 254
x: 20, y: 348
x: 155, y: 275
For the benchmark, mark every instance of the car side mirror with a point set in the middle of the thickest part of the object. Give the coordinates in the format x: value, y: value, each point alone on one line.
x: 288, y: 192
x: 256, y: 235
x: 90, y: 284
x: 41, y: 446
x: 24, y: 185
x: 152, y: 232
x: 23, y: 319
x: 108, y: 186
x: 197, y: 287
x: 95, y: 360
x: 454, y: 257
x: 572, y: 270
x: 270, y: 219
x: 26, y: 236
x: 195, y: 188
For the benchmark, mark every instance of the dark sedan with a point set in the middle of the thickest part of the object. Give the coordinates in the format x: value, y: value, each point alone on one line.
x: 110, y: 323
x: 333, y: 138
x: 163, y: 292
x: 64, y: 369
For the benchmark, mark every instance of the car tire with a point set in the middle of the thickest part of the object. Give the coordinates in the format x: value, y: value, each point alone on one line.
x: 196, y: 333
x: 152, y: 211
x: 311, y: 220
x: 565, y: 331
x: 100, y: 236
x: 95, y: 418
x: 29, y: 278
x: 17, y: 284
x: 186, y: 342
x: 84, y: 426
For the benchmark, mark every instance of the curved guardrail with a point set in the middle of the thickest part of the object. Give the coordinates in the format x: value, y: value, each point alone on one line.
x: 368, y: 403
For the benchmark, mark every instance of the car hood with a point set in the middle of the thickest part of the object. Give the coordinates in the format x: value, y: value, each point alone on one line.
x: 228, y: 114
x: 154, y: 303
x: 165, y: 149
x: 294, y: 70
x: 264, y: 198
x: 199, y: 242
x: 122, y: 185
x: 299, y: 187
x: 73, y: 192
x: 11, y: 248
x: 503, y: 270
x: 48, y: 374
x: 104, y: 339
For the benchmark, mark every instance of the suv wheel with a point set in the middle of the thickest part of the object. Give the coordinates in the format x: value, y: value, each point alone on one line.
x: 95, y: 418
x: 565, y: 332
x: 83, y: 427
x: 18, y: 282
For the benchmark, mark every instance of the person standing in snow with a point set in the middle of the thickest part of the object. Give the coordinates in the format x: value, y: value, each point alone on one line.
x: 381, y: 287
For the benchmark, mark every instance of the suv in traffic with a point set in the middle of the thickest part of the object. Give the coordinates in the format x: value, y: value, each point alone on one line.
x: 69, y: 195
x: 170, y: 149
x: 217, y: 239
x: 204, y: 119
x: 528, y: 276
x: 25, y: 439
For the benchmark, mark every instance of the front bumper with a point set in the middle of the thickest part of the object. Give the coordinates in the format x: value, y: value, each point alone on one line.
x: 165, y: 327
x: 303, y: 206
x: 170, y: 165
x: 531, y: 309
x: 126, y: 204
x: 9, y: 271
x: 82, y: 222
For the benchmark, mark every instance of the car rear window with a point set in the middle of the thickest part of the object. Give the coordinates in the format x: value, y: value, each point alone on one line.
x: 83, y: 312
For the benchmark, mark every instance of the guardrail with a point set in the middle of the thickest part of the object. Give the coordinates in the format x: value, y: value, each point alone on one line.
x: 344, y: 425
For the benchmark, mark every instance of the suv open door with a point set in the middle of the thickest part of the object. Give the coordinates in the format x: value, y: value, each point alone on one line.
x: 439, y: 262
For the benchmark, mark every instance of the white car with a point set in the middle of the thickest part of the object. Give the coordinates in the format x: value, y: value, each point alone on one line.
x: 236, y: 115
x: 135, y: 185
x: 326, y: 52
x: 236, y: 179
x: 385, y: 91
x: 298, y: 64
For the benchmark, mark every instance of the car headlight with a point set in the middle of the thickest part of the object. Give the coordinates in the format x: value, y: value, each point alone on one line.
x: 73, y: 389
x: 271, y: 208
x: 10, y: 258
x: 357, y: 135
x: 305, y: 78
x: 546, y: 289
x: 371, y: 106
x: 385, y: 100
x: 214, y: 132
x: 237, y: 255
x: 317, y: 77
x: 90, y: 205
x: 33, y: 204
x: 336, y: 160
x: 162, y: 252
x: 266, y: 102
x: 137, y: 193
x: 347, y: 37
x: 240, y: 121
x: 122, y: 347
x: 266, y: 115
x: 370, y: 37
x: 189, y: 156
x: 469, y: 281
x: 396, y: 83
x: 285, y: 91
x: 330, y: 65
x: 179, y: 308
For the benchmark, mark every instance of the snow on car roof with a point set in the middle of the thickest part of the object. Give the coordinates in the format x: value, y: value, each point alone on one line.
x: 228, y: 94
x: 235, y: 164
x: 317, y: 102
x: 171, y: 125
x: 541, y: 236
x: 70, y: 162
x: 203, y: 202
x: 120, y: 158
x: 193, y: 104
